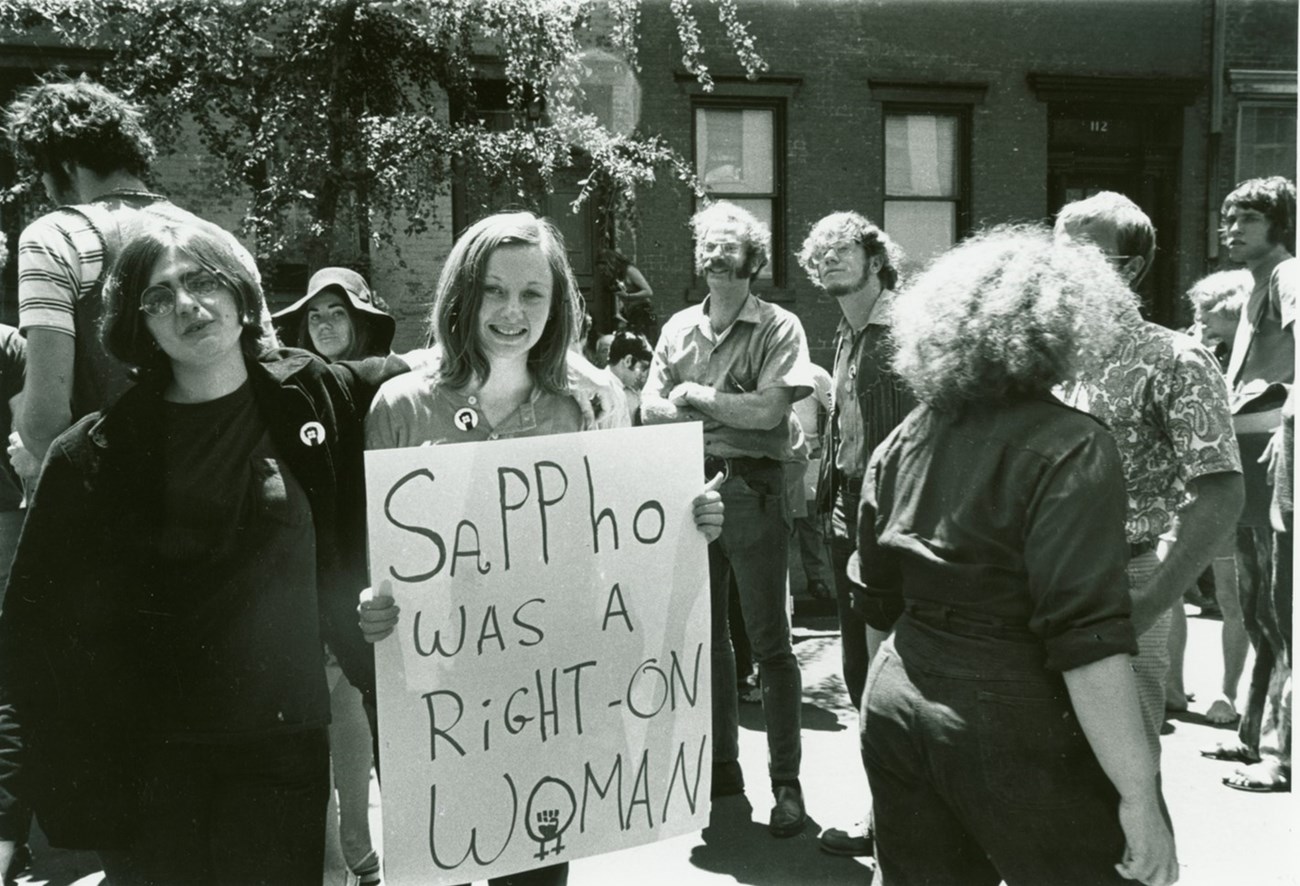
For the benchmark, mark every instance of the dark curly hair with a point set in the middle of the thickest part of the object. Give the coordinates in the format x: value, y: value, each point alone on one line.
x: 78, y: 121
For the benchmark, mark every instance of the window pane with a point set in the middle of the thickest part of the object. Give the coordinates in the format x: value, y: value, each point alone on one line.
x: 920, y: 155
x: 922, y: 228
x: 734, y: 150
x: 762, y: 209
x: 1266, y: 143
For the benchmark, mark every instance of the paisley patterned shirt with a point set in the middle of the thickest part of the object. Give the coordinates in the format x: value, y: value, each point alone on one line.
x: 1165, y: 401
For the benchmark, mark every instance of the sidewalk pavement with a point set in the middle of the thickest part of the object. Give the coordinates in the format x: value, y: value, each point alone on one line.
x: 1224, y: 836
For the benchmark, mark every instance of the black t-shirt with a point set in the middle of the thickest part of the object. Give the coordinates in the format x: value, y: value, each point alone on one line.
x: 232, y: 631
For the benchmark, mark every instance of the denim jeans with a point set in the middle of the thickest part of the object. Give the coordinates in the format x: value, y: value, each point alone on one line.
x: 979, y: 770
x: 853, y: 628
x: 1269, y: 632
x: 239, y: 813
x: 753, y: 547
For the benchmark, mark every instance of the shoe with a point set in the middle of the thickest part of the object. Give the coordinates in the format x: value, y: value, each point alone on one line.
x: 368, y: 872
x: 818, y: 590
x: 728, y: 780
x: 788, y: 815
x: 856, y: 841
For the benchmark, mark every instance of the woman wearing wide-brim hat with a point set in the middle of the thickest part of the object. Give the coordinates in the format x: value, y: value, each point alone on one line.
x: 339, y: 318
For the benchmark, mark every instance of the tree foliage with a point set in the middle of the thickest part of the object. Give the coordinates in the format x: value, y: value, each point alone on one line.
x: 357, y: 115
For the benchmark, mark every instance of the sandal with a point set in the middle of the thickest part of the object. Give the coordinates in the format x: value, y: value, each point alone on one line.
x: 1265, y: 777
x: 1231, y: 753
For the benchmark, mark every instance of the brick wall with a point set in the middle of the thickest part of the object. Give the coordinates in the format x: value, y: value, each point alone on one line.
x: 834, y: 150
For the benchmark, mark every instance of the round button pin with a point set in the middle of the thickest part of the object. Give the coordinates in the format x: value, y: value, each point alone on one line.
x: 466, y: 419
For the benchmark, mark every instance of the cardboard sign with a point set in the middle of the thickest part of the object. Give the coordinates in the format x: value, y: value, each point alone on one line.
x: 546, y: 694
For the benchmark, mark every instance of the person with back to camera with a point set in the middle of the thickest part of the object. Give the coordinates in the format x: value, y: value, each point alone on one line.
x: 505, y: 315
x: 1002, y: 733
x: 93, y: 156
x: 341, y: 319
x: 162, y: 696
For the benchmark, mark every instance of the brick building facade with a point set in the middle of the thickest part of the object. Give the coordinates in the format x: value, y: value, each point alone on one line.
x: 934, y: 117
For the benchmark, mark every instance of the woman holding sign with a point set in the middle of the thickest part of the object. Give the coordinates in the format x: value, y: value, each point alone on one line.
x: 163, y: 698
x: 506, y: 311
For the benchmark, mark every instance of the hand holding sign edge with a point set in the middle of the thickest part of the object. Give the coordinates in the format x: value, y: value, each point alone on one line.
x: 377, y: 614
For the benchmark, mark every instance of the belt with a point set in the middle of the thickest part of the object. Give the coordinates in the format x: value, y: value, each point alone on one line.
x: 736, y: 465
x: 1138, y: 548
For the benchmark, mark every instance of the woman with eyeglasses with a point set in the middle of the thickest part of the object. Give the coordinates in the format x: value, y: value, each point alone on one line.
x: 186, y: 553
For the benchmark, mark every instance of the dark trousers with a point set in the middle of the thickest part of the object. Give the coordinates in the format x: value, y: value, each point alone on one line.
x: 853, y: 628
x: 979, y: 770
x: 552, y: 875
x: 240, y: 813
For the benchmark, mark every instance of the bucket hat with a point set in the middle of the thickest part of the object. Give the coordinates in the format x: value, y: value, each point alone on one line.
x: 363, y: 302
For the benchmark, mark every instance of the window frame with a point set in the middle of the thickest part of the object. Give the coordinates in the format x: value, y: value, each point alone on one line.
x: 1253, y: 102
x: 961, y: 199
x: 777, y: 105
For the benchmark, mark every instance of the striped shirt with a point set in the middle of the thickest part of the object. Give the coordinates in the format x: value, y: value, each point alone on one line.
x: 60, y: 259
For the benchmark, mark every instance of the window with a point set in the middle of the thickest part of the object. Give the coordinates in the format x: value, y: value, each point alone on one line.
x: 737, y: 159
x: 925, y: 207
x: 1266, y: 143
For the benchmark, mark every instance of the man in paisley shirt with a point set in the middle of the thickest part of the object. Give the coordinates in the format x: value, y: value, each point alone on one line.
x: 1165, y: 401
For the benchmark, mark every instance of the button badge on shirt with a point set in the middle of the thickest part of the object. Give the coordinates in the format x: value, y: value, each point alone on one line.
x: 466, y: 419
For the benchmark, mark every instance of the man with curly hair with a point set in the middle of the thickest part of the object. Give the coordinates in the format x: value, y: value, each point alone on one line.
x: 857, y: 264
x: 737, y: 364
x: 1164, y: 399
x: 92, y: 154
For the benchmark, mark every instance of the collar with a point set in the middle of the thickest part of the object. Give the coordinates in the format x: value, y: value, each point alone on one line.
x: 135, y: 414
x: 750, y: 312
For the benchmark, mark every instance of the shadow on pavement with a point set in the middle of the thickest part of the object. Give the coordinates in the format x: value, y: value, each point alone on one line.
x: 736, y: 845
x: 59, y: 867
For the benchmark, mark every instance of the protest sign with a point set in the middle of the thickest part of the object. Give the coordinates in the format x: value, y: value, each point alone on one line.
x: 546, y: 693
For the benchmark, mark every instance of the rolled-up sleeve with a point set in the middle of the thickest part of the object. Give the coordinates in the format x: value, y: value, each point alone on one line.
x: 785, y: 358
x: 1076, y: 555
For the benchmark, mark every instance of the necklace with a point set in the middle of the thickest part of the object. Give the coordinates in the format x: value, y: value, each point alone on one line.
x: 127, y: 192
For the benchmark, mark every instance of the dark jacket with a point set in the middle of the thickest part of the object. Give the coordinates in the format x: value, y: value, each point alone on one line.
x: 884, y: 400
x: 69, y: 701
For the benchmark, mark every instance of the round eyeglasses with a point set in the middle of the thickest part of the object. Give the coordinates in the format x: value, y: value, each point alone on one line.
x: 159, y: 300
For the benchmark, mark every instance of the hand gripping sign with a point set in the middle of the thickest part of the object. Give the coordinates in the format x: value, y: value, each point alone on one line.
x: 545, y: 696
